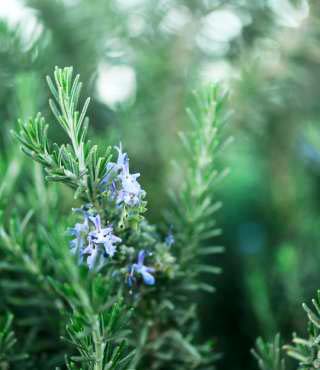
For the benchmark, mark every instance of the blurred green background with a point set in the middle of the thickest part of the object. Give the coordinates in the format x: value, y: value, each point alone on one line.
x: 139, y: 61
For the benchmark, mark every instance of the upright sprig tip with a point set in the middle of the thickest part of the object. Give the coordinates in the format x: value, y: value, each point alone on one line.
x: 66, y: 93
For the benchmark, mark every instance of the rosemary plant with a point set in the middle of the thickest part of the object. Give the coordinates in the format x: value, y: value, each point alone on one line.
x: 307, y: 351
x: 8, y: 343
x: 120, y: 288
x: 304, y: 350
x: 269, y: 355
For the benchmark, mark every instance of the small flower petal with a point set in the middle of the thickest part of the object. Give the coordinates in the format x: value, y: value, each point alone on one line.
x: 141, y: 256
x: 148, y: 278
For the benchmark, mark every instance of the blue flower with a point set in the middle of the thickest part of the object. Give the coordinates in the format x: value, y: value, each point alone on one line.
x: 100, y: 234
x: 123, y: 186
x: 122, y: 161
x: 79, y: 231
x: 113, y: 169
x: 131, y: 191
x: 144, y: 271
x: 101, y: 244
x: 109, y: 244
x: 95, y: 258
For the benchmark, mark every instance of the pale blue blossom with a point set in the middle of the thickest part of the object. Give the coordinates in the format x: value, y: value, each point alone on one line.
x: 122, y: 161
x: 144, y: 271
x: 95, y: 256
x: 123, y: 186
x: 102, y: 244
x: 79, y: 231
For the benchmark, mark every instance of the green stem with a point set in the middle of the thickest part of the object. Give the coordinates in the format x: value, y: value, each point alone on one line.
x: 99, y: 344
x: 97, y: 335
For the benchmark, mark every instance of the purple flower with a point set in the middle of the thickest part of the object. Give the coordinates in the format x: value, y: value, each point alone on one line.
x: 123, y: 186
x: 144, y: 271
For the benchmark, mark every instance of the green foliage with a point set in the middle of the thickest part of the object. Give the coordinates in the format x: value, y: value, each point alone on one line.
x: 269, y: 355
x: 25, y: 290
x: 271, y: 217
x: 191, y: 219
x: 58, y: 291
x: 9, y: 352
x: 194, y: 204
x: 306, y: 351
x: 65, y: 163
x: 96, y: 316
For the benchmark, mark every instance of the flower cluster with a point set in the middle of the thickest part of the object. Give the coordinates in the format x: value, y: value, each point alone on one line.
x: 100, y: 237
x: 93, y: 246
x: 123, y: 186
